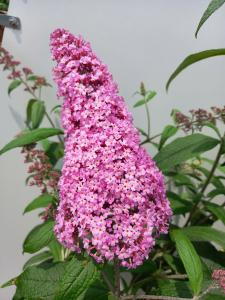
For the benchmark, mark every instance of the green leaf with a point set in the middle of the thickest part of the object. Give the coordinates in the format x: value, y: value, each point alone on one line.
x: 178, y: 205
x: 13, y: 85
x: 40, y: 282
x: 56, y: 108
x: 30, y: 137
x: 216, y: 192
x: 29, y: 109
x: 148, y: 97
x: 39, y: 237
x: 213, y: 6
x: 168, y: 132
x: 42, y: 201
x: 183, y: 149
x: 32, y: 77
x: 204, y: 233
x: 173, y: 288
x: 97, y: 291
x: 193, y: 58
x: 54, y: 151
x: 190, y: 259
x: 38, y: 258
x: 9, y: 283
x: 37, y: 113
x: 77, y: 278
x: 56, y: 249
x: 216, y: 210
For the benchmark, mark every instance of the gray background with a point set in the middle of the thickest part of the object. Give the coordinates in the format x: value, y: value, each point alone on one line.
x: 140, y: 40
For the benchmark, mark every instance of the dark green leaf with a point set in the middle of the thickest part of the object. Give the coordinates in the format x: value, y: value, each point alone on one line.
x: 216, y: 192
x: 216, y: 210
x: 42, y: 201
x: 38, y: 258
x: 13, y: 85
x: 203, y: 233
x: 30, y: 137
x: 147, y: 98
x: 193, y: 58
x: 78, y: 277
x: 178, y: 205
x: 173, y: 288
x: 183, y: 149
x: 54, y: 151
x: 39, y: 237
x: 97, y: 291
x: 213, y: 6
x: 168, y: 132
x: 37, y: 113
x: 190, y: 259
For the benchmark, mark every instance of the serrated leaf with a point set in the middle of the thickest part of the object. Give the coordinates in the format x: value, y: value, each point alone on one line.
x: 40, y: 282
x: 37, y: 113
x: 192, y: 59
x: 190, y: 259
x: 38, y: 258
x: 213, y: 6
x: 13, y: 85
x: 168, y: 132
x: 39, y: 237
x: 150, y: 95
x: 97, y: 291
x: 183, y: 149
x: 78, y: 277
x: 42, y: 201
x: 216, y: 210
x: 30, y: 137
x: 204, y: 233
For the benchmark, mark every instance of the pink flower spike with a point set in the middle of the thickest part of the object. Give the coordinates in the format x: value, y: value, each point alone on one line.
x: 112, y: 195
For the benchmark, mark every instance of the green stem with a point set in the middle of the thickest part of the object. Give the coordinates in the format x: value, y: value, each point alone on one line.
x: 108, y: 282
x: 117, y: 278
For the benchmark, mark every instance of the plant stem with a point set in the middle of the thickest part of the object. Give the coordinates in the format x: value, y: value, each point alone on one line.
x: 208, y: 180
x: 148, y: 118
x: 117, y: 278
x: 108, y: 282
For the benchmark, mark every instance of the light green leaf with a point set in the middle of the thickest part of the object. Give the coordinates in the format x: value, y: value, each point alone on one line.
x: 213, y: 6
x: 9, y: 283
x: 78, y: 277
x: 39, y: 237
x: 183, y: 149
x: 150, y: 95
x: 30, y: 137
x: 193, y: 58
x: 56, y: 249
x: 13, y: 85
x: 37, y: 113
x: 168, y: 132
x: 42, y: 201
x: 190, y: 259
x: 204, y: 233
x: 38, y: 258
x: 216, y: 210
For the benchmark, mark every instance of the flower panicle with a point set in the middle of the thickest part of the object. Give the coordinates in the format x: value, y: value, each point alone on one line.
x: 112, y: 195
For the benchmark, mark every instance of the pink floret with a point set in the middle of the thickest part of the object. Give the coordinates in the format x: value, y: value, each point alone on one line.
x: 112, y: 195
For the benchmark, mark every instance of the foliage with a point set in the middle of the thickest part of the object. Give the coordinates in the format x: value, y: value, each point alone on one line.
x: 181, y: 264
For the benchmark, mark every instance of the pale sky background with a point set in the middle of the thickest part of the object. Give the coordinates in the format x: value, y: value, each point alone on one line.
x: 140, y: 40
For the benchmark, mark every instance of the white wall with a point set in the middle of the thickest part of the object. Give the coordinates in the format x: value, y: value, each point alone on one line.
x: 140, y: 40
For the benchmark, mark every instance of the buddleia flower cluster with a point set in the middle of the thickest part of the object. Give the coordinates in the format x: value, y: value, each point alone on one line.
x: 112, y: 195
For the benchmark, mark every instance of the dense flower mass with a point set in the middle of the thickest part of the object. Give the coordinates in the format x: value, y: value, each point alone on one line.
x: 112, y: 195
x: 219, y: 276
